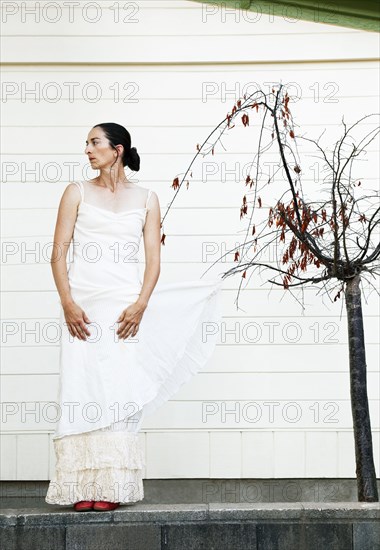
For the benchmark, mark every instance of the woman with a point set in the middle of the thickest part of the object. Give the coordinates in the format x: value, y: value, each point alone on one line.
x: 127, y: 344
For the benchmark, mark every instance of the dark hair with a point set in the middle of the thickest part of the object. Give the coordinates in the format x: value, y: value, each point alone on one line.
x: 118, y: 135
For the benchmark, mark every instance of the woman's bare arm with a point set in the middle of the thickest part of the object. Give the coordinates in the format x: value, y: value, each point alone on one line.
x: 152, y: 246
x: 76, y: 318
x: 64, y: 229
x: 131, y: 316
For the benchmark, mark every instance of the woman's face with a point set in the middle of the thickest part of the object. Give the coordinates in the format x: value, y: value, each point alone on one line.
x: 99, y: 151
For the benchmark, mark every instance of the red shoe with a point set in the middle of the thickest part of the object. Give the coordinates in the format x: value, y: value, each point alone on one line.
x: 84, y: 505
x: 105, y: 506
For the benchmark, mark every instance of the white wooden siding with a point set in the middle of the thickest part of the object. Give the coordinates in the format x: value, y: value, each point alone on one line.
x: 163, y: 65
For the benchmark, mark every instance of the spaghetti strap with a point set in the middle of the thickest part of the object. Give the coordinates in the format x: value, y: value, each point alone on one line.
x: 80, y: 185
x: 148, y: 197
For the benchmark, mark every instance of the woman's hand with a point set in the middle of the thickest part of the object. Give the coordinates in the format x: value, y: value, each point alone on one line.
x: 76, y: 319
x: 129, y: 320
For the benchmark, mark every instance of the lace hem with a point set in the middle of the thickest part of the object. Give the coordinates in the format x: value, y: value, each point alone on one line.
x: 98, y: 450
x: 97, y: 466
x: 109, y: 484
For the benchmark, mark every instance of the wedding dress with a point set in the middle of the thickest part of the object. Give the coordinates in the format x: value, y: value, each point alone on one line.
x: 108, y: 385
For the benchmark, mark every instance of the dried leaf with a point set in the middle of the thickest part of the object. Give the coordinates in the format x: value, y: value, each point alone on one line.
x: 245, y: 120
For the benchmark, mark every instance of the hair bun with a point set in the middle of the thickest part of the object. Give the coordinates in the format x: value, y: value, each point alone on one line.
x: 133, y: 159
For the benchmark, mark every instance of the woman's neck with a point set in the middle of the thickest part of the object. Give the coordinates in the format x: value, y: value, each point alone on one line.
x: 121, y: 182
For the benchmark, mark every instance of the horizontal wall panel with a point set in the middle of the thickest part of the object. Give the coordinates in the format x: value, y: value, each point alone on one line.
x: 225, y: 174
x: 252, y: 301
x: 141, y: 18
x: 177, y: 140
x: 320, y: 357
x: 184, y: 221
x: 213, y: 415
x: 41, y: 278
x: 30, y: 360
x: 232, y: 330
x: 167, y: 49
x: 256, y: 413
x: 212, y: 88
x: 219, y: 386
x: 23, y: 252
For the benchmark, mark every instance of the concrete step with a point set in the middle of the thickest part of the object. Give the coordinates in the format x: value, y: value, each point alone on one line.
x: 212, y: 526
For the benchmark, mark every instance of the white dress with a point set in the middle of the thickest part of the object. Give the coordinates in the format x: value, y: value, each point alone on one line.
x: 108, y: 385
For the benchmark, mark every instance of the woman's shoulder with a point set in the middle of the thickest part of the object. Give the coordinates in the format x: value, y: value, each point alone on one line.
x: 147, y: 191
x: 74, y: 184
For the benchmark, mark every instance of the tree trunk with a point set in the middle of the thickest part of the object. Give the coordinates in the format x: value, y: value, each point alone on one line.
x: 365, y: 468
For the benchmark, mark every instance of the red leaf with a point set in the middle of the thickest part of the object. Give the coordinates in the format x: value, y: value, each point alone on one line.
x: 244, y: 208
x: 175, y: 183
x: 291, y: 133
x: 245, y: 120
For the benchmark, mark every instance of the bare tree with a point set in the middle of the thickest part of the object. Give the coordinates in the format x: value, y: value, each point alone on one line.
x: 329, y: 242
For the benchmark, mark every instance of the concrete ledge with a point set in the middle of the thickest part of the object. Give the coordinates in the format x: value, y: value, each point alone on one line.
x: 307, y: 511
x: 226, y: 526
